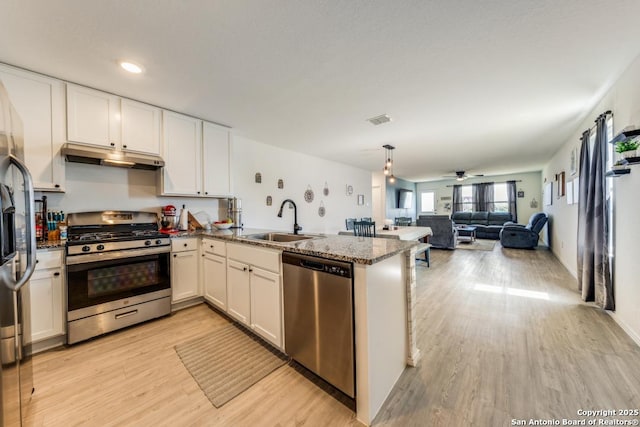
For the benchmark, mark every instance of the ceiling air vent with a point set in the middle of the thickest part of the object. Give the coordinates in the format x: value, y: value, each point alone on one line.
x: 378, y: 120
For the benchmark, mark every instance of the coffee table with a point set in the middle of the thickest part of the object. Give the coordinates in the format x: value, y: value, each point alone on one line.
x: 466, y: 233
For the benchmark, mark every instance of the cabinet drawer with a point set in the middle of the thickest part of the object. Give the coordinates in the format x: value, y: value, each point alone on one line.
x: 48, y: 259
x: 186, y: 244
x: 268, y: 259
x: 213, y: 246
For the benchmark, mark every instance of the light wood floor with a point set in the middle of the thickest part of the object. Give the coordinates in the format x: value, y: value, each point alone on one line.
x: 502, y: 335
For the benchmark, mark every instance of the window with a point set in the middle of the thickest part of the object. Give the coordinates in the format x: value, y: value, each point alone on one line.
x: 500, y: 198
x: 428, y: 201
x: 467, y: 198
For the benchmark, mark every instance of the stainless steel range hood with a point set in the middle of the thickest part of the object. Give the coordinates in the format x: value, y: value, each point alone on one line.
x: 79, y: 153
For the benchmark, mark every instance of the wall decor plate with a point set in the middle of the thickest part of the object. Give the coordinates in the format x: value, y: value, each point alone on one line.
x: 308, y: 195
x: 280, y: 183
x: 269, y: 201
x: 349, y: 190
x: 258, y: 178
x: 321, y: 210
x: 325, y: 191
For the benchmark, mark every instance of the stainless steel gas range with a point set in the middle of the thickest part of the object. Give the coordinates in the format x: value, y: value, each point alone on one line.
x: 118, y: 272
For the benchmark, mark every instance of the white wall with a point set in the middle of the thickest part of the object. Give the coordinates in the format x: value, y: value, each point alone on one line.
x: 299, y: 172
x: 623, y: 99
x: 530, y: 184
x: 97, y: 188
x: 91, y: 187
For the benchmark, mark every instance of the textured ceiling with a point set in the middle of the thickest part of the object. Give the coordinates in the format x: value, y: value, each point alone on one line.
x: 493, y: 86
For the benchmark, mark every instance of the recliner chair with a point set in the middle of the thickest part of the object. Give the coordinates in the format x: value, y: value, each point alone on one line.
x: 445, y: 235
x: 523, y: 236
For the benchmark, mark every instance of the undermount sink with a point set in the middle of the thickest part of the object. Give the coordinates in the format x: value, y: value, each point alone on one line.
x: 279, y: 237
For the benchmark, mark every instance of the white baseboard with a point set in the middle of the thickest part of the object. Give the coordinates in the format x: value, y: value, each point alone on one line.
x: 632, y: 334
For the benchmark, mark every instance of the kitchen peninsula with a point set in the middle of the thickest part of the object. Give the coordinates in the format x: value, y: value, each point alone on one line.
x: 384, y: 297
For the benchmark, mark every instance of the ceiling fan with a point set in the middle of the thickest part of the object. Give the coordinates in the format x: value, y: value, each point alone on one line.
x: 461, y: 176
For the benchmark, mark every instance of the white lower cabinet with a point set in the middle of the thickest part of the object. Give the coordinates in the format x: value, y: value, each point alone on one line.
x: 254, y: 289
x: 46, y: 295
x: 184, y: 269
x: 265, y: 305
x: 239, y: 291
x: 214, y: 272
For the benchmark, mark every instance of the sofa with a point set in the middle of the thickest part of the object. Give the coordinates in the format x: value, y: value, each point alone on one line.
x: 488, y: 224
x: 444, y: 234
x: 523, y: 236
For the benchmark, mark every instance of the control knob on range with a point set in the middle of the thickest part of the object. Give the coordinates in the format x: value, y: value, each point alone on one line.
x: 158, y: 242
x: 86, y: 248
x: 147, y: 243
x: 100, y: 247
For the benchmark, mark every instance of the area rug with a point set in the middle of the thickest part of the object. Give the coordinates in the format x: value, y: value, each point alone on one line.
x: 478, y: 244
x: 226, y: 362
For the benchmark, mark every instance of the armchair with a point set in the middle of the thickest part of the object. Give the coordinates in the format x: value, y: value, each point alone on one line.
x: 521, y: 236
x: 445, y: 235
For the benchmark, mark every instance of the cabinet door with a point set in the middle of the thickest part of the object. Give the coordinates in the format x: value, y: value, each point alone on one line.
x: 238, y: 291
x: 140, y: 129
x: 45, y: 291
x: 265, y: 305
x: 39, y: 101
x: 93, y: 117
x: 181, y: 143
x: 215, y: 160
x: 184, y: 275
x: 215, y: 279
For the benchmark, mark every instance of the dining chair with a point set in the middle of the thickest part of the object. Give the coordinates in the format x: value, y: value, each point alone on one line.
x: 349, y: 223
x: 402, y: 221
x: 364, y: 229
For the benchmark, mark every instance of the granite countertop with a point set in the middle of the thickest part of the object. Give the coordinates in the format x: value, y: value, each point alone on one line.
x: 361, y: 250
x: 51, y: 244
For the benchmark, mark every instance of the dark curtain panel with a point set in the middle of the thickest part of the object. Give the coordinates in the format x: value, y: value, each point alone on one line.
x: 512, y: 198
x: 585, y: 257
x: 597, y: 284
x: 482, y: 197
x: 457, y: 199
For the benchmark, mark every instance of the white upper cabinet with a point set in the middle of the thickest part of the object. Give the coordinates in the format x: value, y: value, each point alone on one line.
x: 39, y: 100
x: 196, y: 156
x: 140, y: 129
x: 105, y: 120
x: 181, y: 142
x: 215, y: 160
x: 93, y: 117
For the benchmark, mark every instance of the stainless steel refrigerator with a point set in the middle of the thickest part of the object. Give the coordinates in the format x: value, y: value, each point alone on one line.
x: 17, y: 262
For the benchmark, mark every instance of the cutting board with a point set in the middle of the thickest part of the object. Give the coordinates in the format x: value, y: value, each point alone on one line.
x: 193, y: 223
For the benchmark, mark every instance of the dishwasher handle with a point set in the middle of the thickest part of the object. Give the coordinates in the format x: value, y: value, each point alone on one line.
x: 324, y: 265
x: 312, y: 265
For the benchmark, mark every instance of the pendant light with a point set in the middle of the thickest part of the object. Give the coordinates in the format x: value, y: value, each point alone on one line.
x: 388, y: 163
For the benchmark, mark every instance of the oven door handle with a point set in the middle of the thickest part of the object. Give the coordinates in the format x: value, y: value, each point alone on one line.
x: 108, y: 256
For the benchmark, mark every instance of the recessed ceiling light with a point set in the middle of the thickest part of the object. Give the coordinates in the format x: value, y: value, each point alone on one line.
x: 131, y: 67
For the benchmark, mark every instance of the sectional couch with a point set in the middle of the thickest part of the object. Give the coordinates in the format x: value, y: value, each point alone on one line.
x: 488, y: 224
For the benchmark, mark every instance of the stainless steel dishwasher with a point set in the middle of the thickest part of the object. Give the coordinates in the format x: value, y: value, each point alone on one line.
x: 318, y: 317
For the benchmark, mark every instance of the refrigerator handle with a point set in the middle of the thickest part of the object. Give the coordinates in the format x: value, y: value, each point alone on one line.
x: 29, y: 222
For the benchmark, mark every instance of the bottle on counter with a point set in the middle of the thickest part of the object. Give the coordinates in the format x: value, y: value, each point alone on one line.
x: 63, y: 231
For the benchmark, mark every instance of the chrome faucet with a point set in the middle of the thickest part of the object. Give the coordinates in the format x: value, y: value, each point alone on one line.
x: 296, y: 227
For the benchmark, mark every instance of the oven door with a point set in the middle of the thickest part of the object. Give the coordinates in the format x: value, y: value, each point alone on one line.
x: 101, y: 282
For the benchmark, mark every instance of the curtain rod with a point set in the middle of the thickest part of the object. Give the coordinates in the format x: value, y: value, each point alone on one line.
x: 499, y: 182
x: 606, y: 113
